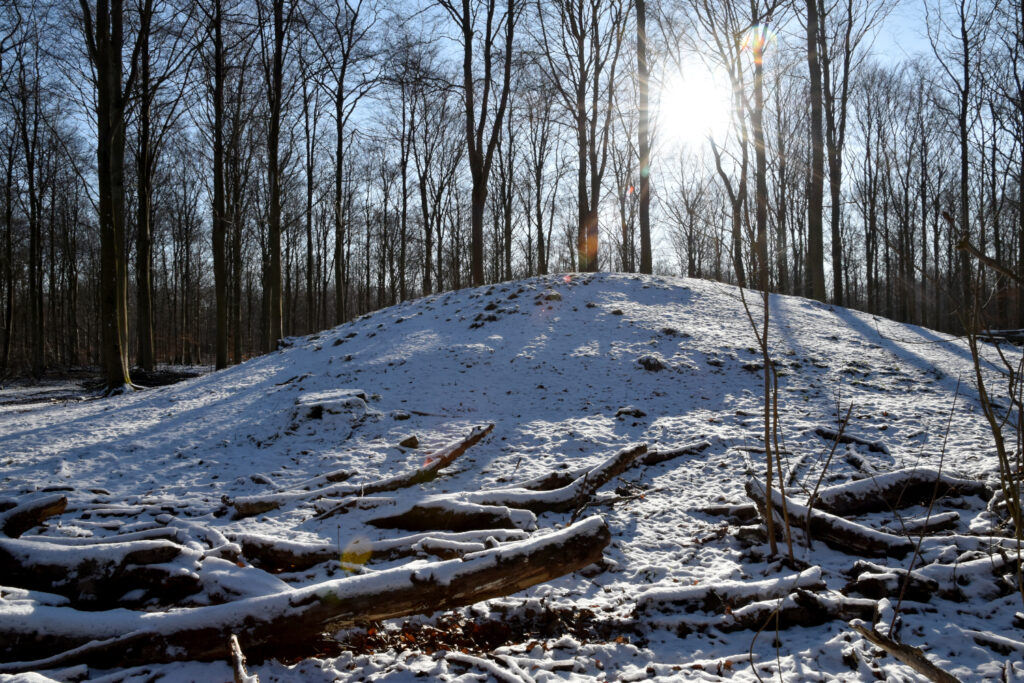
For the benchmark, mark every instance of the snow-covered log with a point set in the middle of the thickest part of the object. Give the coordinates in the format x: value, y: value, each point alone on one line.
x: 838, y: 533
x: 659, y: 456
x: 922, y: 526
x: 974, y: 576
x: 801, y: 608
x: 737, y: 513
x: 1001, y: 644
x: 567, y: 497
x: 844, y: 437
x: 895, y: 490
x: 33, y: 512
x: 273, y: 554
x: 97, y: 576
x: 455, y: 515
x: 60, y: 636
x: 719, y: 595
x: 911, y: 656
x: 427, y: 472
x: 176, y: 535
x: 875, y: 581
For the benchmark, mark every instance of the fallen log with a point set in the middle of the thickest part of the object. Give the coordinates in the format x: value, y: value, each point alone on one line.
x: 922, y: 526
x: 975, y: 576
x: 30, y: 513
x: 736, y: 513
x: 895, y: 490
x: 836, y: 532
x: 659, y: 456
x: 801, y: 608
x: 250, y: 506
x: 556, y: 480
x: 877, y: 582
x: 450, y: 514
x: 833, y: 435
x: 97, y: 576
x: 721, y: 595
x: 427, y: 472
x: 275, y: 555
x: 567, y: 497
x: 61, y: 636
x: 1001, y: 644
x: 909, y: 655
x: 178, y: 536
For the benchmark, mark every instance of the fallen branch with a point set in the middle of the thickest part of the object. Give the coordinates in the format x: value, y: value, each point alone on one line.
x: 909, y: 655
x: 895, y: 490
x: 659, y: 456
x: 713, y: 597
x: 421, y: 475
x: 567, y: 497
x: 833, y: 435
x: 455, y: 515
x: 175, y: 535
x: 923, y: 526
x: 836, y: 532
x: 65, y: 636
x: 238, y: 663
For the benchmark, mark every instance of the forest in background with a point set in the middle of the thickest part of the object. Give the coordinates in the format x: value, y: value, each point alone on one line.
x: 190, y: 182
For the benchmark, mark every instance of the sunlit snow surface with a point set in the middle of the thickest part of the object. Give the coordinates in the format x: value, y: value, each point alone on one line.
x: 550, y: 361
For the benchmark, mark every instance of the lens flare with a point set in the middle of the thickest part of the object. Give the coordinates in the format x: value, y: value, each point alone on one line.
x: 356, y: 553
x: 757, y: 40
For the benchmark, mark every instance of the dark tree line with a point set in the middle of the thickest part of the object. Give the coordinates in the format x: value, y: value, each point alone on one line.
x: 190, y: 182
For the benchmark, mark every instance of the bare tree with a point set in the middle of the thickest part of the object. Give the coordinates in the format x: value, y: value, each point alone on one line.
x: 342, y: 30
x: 103, y: 29
x: 844, y: 25
x: 582, y: 41
x: 272, y: 50
x: 480, y: 153
x: 955, y: 41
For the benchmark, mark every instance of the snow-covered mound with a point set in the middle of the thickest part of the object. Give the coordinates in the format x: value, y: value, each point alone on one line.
x: 569, y: 369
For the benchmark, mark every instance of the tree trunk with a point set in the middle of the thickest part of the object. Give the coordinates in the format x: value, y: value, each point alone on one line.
x: 220, y: 225
x: 815, y: 266
x: 144, y: 228
x: 275, y: 91
x: 643, y: 76
x: 105, y: 45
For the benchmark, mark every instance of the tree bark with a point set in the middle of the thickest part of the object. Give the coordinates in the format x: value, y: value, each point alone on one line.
x: 275, y: 92
x: 220, y: 223
x: 815, y: 266
x: 105, y: 36
x: 144, y: 213
x: 644, y: 144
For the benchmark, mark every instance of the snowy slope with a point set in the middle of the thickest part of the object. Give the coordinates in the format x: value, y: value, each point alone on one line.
x: 552, y: 362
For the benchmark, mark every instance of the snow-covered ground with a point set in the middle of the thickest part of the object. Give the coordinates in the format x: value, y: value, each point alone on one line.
x: 569, y: 369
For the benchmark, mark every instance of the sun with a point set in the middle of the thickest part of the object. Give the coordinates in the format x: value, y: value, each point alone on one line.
x: 691, y: 105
